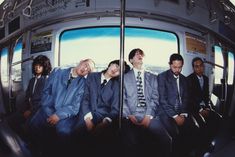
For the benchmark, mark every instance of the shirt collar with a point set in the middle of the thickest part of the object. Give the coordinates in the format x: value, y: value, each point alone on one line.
x: 73, y: 74
x: 103, y: 78
x: 38, y: 77
x: 137, y: 70
x: 178, y: 76
x: 199, y: 77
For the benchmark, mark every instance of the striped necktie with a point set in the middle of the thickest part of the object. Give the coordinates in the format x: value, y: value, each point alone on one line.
x: 140, y: 92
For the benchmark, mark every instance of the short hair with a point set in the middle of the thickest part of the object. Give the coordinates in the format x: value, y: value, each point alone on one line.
x: 114, y: 62
x: 176, y: 56
x: 92, y: 66
x: 43, y: 61
x: 133, y: 52
x: 196, y: 59
x: 126, y: 66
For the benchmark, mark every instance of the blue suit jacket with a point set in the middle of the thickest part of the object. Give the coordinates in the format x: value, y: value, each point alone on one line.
x: 33, y: 100
x: 100, y: 102
x: 59, y: 98
x: 168, y: 93
x: 150, y: 92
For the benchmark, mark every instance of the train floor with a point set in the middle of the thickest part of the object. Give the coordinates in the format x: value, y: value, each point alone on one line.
x: 13, y: 146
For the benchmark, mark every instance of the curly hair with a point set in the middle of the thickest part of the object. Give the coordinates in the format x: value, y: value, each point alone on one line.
x: 43, y: 61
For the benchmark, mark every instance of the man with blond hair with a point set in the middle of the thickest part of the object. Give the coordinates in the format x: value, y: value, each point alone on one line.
x: 61, y: 99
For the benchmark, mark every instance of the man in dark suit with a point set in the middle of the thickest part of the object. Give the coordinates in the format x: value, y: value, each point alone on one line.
x: 100, y: 109
x: 141, y: 124
x: 174, y: 102
x: 41, y: 68
x: 207, y: 118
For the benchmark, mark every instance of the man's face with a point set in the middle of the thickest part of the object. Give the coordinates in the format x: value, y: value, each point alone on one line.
x: 38, y: 69
x: 198, y: 67
x: 84, y: 68
x: 137, y: 59
x: 113, y: 70
x: 176, y: 67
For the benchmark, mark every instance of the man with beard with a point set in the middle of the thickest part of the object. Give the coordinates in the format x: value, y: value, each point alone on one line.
x: 174, y: 102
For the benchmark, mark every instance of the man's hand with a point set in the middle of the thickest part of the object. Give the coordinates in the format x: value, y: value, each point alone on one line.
x: 205, y: 113
x: 89, y: 124
x: 145, y: 122
x: 53, y: 119
x: 133, y: 119
x: 180, y: 120
x: 27, y: 114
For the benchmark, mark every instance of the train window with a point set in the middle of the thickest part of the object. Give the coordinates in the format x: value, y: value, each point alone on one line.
x: 102, y: 44
x: 230, y: 68
x: 16, y: 62
x: 219, y: 60
x: 156, y: 44
x: 4, y: 67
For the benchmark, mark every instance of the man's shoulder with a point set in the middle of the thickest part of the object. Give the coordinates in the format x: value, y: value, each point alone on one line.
x: 150, y: 73
x: 61, y: 69
x: 191, y: 75
x: 94, y: 75
x: 131, y: 72
x: 163, y: 74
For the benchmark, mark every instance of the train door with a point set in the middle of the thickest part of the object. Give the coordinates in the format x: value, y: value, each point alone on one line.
x: 15, y: 86
x: 220, y: 82
x: 230, y: 81
x: 5, y: 78
x: 11, y: 59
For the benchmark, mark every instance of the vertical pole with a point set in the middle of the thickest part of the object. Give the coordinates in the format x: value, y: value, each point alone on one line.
x: 122, y: 46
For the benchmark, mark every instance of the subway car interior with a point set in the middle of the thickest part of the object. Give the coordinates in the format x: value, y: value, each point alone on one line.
x: 68, y: 31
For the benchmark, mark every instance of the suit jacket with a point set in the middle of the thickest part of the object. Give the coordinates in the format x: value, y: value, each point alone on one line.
x: 150, y: 92
x: 168, y: 93
x: 100, y: 102
x: 33, y: 100
x: 59, y: 98
x: 197, y: 94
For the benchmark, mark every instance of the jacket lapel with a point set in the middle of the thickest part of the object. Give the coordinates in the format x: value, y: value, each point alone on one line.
x: 66, y: 76
x: 146, y: 85
x: 172, y: 81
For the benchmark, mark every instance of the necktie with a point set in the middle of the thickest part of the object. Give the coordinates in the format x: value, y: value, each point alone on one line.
x: 178, y: 98
x: 103, y: 83
x: 201, y: 82
x: 140, y: 92
x: 34, y: 85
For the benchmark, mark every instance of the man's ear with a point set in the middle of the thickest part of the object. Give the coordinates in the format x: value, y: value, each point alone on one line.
x: 131, y: 61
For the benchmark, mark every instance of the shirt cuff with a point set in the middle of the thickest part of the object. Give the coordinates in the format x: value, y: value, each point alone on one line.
x: 184, y: 114
x: 175, y: 116
x: 201, y: 110
x: 88, y: 115
x: 150, y: 116
x: 107, y: 119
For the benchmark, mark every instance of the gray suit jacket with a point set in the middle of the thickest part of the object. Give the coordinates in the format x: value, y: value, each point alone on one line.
x: 168, y: 93
x: 130, y: 94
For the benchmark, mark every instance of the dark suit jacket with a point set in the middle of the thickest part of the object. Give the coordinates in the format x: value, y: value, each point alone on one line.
x: 167, y: 88
x: 196, y: 93
x: 33, y: 100
x: 100, y: 102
